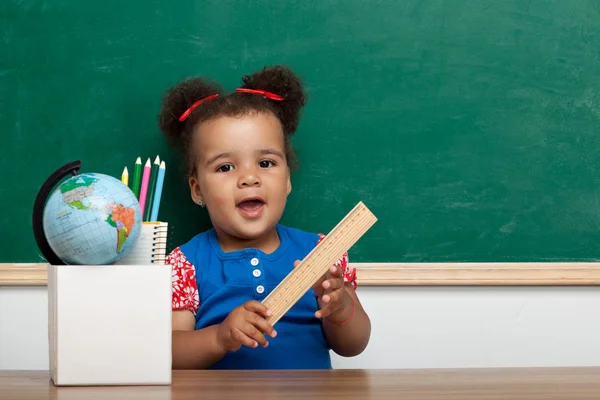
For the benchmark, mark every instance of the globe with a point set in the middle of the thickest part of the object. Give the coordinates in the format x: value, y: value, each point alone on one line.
x: 91, y: 219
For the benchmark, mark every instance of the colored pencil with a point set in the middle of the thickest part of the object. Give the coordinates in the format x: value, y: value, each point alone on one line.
x: 144, y: 188
x: 137, y: 173
x: 151, y: 188
x: 125, y: 176
x: 158, y: 192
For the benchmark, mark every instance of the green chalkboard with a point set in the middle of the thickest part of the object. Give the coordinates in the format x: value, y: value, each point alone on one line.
x: 470, y: 128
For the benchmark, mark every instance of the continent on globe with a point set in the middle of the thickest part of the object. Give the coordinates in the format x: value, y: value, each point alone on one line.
x: 75, y: 190
x: 121, y: 218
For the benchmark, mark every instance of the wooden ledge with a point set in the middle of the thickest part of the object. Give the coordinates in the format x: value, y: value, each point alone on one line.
x: 33, y: 274
x: 478, y: 274
x: 406, y: 274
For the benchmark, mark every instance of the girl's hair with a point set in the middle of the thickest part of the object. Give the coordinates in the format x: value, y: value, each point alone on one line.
x: 278, y: 80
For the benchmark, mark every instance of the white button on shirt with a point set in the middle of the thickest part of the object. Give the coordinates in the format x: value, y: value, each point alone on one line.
x: 256, y: 273
x: 254, y: 261
x: 260, y: 288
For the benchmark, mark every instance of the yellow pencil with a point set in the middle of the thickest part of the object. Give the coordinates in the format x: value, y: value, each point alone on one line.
x: 125, y: 177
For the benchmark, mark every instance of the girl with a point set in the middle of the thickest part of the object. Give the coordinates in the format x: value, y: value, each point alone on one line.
x: 238, y: 156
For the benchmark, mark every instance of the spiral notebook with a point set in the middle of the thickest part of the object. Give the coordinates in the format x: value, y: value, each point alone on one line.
x: 151, y: 246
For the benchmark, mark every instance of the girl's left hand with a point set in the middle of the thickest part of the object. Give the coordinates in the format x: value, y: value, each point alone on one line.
x: 332, y: 295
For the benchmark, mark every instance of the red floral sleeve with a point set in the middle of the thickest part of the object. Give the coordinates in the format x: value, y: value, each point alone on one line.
x: 344, y: 264
x: 184, y: 286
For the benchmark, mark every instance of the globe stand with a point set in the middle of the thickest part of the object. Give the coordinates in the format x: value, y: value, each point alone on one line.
x: 72, y: 169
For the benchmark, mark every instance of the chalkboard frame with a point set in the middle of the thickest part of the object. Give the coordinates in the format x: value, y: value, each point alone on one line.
x: 406, y: 274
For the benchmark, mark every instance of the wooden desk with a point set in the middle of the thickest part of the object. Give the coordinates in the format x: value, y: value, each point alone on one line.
x: 481, y: 384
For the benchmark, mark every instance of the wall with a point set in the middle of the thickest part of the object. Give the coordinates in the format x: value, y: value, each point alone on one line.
x: 413, y: 327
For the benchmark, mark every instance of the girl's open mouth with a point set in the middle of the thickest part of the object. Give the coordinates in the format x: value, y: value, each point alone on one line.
x: 251, y: 208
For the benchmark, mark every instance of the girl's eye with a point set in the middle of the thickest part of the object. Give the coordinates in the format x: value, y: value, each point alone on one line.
x: 266, y: 163
x: 225, y: 168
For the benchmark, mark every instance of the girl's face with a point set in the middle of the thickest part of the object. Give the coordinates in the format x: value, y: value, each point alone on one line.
x: 242, y: 177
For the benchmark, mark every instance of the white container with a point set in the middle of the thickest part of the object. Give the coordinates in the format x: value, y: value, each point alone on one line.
x: 109, y: 324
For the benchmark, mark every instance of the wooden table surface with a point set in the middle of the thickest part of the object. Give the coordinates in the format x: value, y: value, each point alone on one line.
x: 461, y: 384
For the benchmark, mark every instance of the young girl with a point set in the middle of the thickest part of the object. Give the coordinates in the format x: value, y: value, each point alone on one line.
x: 238, y: 156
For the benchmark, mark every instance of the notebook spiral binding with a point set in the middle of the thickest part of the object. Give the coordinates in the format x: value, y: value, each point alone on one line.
x: 161, y: 243
x: 152, y: 246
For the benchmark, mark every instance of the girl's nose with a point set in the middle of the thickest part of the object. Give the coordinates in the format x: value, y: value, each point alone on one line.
x: 248, y: 178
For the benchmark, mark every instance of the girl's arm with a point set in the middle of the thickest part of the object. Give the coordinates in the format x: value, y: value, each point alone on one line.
x: 348, y: 328
x: 193, y: 349
x: 246, y: 325
x: 351, y: 337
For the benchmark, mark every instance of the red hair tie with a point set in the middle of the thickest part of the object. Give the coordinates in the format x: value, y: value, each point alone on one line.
x: 196, y: 104
x: 268, y: 95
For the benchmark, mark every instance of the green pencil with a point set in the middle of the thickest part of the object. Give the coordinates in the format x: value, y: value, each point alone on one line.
x: 137, y: 177
x: 151, y: 189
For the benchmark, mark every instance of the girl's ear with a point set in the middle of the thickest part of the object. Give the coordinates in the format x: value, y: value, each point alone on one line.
x: 195, y: 190
x: 289, y: 183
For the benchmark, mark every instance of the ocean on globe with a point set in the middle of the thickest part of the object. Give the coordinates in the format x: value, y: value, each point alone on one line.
x: 92, y: 219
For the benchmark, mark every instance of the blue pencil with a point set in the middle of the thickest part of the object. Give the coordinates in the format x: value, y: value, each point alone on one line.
x: 158, y: 192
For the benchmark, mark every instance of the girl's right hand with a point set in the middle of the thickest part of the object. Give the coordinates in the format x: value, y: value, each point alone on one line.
x: 245, y: 326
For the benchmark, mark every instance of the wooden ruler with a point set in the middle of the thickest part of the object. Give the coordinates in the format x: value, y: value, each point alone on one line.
x: 318, y: 261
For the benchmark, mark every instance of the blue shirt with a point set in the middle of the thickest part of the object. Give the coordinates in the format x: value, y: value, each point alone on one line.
x: 227, y: 280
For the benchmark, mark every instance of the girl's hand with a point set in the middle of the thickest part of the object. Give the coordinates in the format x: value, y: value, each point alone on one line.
x: 332, y: 295
x: 245, y: 326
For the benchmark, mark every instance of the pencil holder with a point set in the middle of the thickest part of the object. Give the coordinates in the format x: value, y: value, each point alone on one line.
x: 109, y: 325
